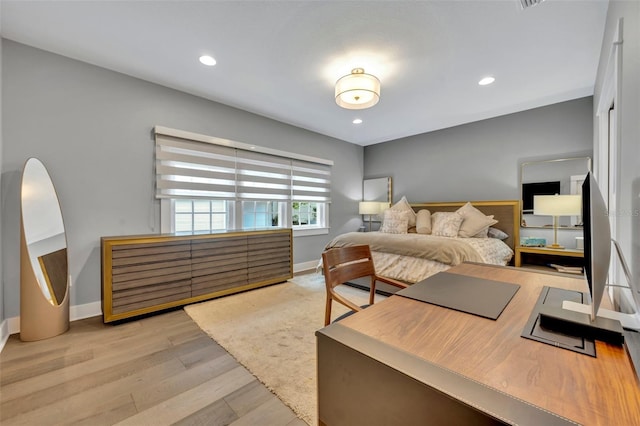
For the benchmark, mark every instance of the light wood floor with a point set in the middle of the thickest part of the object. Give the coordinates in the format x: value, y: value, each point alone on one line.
x: 158, y: 370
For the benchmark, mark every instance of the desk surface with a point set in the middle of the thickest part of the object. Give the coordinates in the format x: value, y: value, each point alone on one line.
x: 587, y: 390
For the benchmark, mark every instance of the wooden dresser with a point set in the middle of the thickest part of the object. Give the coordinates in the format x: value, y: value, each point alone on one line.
x: 148, y: 273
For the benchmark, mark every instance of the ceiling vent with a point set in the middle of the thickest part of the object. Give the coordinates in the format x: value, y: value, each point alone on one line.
x: 524, y: 4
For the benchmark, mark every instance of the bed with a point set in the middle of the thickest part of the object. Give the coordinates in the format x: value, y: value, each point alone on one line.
x: 413, y: 256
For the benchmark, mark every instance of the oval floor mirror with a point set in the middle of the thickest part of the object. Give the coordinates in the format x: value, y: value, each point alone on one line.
x: 44, y: 284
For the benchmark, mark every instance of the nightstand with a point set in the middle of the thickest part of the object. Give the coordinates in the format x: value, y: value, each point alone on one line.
x: 531, y: 256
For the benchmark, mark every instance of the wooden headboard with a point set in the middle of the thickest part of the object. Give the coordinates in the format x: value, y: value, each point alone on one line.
x: 506, y: 212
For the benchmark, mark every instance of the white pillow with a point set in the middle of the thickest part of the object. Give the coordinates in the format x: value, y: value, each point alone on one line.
x: 395, y: 222
x: 484, y: 232
x: 404, y: 206
x: 423, y: 222
x: 445, y: 224
x: 475, y: 222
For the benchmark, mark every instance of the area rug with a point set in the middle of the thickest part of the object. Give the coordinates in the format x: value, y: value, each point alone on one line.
x: 271, y: 331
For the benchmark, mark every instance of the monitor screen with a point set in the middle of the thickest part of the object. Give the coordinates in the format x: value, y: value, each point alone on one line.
x: 537, y: 188
x: 597, y: 241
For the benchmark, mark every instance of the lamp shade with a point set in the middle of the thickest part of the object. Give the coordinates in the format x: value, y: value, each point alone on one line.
x: 557, y: 205
x: 357, y: 90
x: 370, y: 207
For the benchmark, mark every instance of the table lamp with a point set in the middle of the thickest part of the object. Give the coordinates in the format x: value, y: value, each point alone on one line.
x: 557, y: 205
x: 370, y: 208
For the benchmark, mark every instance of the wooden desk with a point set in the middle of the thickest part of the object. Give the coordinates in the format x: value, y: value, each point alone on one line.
x: 402, y: 361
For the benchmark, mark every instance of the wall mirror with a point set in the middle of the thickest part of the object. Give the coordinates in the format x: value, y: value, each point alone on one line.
x: 378, y: 189
x: 562, y: 176
x: 376, y: 196
x: 44, y: 301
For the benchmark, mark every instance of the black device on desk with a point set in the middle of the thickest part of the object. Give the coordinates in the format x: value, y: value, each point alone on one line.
x: 552, y: 297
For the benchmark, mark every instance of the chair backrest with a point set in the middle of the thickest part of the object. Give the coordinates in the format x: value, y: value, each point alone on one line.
x: 343, y: 264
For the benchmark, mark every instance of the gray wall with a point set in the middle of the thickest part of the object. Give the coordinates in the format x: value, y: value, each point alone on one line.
x: 628, y: 214
x: 481, y: 160
x: 91, y: 127
x: 2, y: 316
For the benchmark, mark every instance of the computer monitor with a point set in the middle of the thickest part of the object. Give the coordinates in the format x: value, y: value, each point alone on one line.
x: 601, y: 324
x: 597, y: 241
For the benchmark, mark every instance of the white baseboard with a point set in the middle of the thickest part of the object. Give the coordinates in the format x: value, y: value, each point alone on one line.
x: 87, y: 310
x: 4, y: 333
x: 12, y: 325
x: 305, y: 266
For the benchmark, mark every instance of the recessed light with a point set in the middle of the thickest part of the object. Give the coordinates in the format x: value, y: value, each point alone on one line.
x: 486, y: 80
x: 357, y: 121
x: 207, y: 60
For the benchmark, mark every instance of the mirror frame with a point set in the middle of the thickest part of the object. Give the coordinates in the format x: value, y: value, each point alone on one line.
x: 585, y: 158
x: 377, y: 189
x: 41, y: 317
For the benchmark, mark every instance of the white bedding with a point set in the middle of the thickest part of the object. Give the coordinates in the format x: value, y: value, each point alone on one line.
x: 406, y: 268
x: 412, y: 269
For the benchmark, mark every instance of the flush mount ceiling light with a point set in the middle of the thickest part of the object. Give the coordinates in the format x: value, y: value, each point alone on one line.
x: 357, y: 90
x: 487, y: 80
x: 207, y: 60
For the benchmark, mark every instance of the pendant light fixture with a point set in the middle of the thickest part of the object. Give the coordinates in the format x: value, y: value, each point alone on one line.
x: 357, y: 90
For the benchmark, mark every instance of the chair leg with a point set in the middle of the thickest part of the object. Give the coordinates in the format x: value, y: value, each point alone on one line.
x: 372, y: 290
x: 327, y: 312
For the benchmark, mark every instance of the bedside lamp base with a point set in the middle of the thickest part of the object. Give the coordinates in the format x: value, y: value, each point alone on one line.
x: 555, y: 246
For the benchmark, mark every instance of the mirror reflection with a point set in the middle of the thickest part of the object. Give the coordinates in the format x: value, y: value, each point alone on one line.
x: 44, y: 231
x: 562, y: 176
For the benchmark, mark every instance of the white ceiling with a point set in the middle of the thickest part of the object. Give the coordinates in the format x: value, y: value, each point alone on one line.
x: 280, y: 59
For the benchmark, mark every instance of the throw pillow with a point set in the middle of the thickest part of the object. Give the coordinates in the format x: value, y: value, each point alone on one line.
x: 496, y: 233
x: 423, y: 222
x: 395, y: 222
x: 446, y: 224
x: 404, y: 206
x: 474, y: 221
x: 484, y: 232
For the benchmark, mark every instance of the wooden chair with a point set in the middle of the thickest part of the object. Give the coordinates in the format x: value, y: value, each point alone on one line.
x: 344, y: 264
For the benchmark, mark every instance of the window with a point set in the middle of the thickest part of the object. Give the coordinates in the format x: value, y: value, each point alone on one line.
x: 200, y: 215
x: 209, y: 184
x: 304, y: 214
x: 261, y: 214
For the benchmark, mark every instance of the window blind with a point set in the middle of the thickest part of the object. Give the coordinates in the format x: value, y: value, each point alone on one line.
x: 198, y: 169
x: 310, y: 182
x: 262, y: 176
x: 186, y: 169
